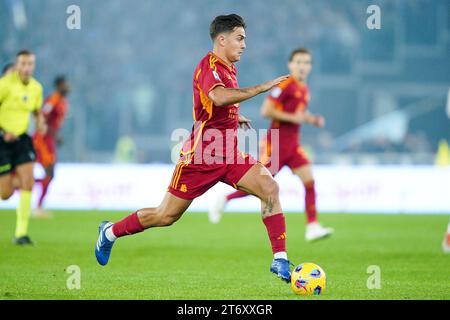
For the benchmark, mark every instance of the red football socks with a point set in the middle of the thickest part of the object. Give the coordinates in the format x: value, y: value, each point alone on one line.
x: 45, y: 183
x: 127, y: 226
x: 310, y: 202
x: 236, y: 195
x: 276, y: 228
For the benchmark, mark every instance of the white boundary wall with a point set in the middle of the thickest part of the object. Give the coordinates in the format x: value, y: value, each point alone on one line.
x: 371, y: 189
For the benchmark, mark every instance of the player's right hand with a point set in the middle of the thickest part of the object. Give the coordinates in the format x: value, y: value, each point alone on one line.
x: 319, y: 121
x: 270, y: 84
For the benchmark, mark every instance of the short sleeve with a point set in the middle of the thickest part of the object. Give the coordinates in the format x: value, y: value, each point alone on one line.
x: 61, y: 110
x: 278, y: 94
x: 49, y: 104
x: 209, y: 79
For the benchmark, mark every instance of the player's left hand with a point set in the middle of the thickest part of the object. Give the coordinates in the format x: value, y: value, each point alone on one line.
x: 244, y: 123
x: 320, y: 122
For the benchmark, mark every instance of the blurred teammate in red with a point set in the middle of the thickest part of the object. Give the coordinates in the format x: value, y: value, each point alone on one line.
x: 286, y: 106
x: 446, y: 241
x: 54, y: 111
x: 210, y: 154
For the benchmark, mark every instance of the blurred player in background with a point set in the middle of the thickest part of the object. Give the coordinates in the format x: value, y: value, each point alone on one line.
x: 7, y: 69
x: 20, y: 95
x: 216, y: 99
x: 287, y: 106
x: 446, y: 241
x: 54, y: 111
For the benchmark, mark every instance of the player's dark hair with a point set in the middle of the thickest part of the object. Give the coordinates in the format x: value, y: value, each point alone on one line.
x: 225, y: 23
x: 59, y: 80
x: 24, y: 53
x: 297, y: 51
x: 7, y: 67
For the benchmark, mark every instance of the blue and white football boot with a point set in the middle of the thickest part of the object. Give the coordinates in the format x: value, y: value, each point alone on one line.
x: 282, y: 268
x: 103, y: 246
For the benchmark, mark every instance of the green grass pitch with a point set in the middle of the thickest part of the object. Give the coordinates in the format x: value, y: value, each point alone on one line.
x: 195, y: 260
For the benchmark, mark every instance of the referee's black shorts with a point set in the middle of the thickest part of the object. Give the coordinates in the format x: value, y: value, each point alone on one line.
x: 15, y: 153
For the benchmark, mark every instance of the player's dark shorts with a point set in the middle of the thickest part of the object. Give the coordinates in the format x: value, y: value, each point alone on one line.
x: 191, y: 180
x: 13, y: 154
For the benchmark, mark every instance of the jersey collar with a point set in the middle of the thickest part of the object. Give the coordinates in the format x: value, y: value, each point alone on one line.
x: 230, y: 68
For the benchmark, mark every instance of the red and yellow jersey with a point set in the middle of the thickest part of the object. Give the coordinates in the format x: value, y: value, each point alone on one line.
x: 289, y: 96
x: 210, y: 120
x: 54, y: 111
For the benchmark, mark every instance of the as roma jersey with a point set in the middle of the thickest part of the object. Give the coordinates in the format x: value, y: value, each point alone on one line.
x: 214, y: 132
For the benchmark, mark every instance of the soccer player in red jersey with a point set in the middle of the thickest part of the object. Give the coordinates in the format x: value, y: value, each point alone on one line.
x: 54, y: 111
x: 210, y: 154
x: 446, y: 241
x: 286, y: 106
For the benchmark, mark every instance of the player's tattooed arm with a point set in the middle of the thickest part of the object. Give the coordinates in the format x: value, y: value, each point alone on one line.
x: 222, y: 96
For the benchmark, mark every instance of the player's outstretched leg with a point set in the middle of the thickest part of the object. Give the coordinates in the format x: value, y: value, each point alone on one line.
x: 169, y: 211
x: 314, y: 230
x: 216, y: 210
x: 259, y: 181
